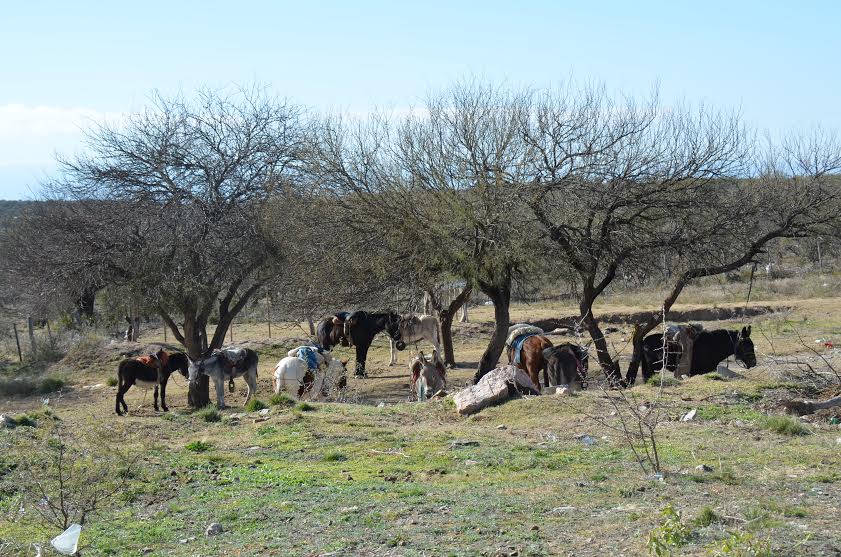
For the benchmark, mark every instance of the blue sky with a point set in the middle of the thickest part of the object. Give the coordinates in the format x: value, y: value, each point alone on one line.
x: 65, y: 63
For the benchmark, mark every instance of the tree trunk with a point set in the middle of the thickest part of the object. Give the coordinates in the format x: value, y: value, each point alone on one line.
x: 500, y: 295
x: 463, y: 318
x: 446, y: 319
x: 610, y: 368
x: 311, y: 325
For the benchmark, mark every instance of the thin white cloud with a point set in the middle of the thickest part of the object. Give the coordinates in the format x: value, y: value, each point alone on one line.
x: 31, y: 135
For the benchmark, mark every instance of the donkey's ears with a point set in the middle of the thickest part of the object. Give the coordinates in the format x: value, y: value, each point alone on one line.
x: 746, y: 332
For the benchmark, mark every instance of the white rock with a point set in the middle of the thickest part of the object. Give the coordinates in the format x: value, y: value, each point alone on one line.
x: 265, y: 411
x: 689, y: 416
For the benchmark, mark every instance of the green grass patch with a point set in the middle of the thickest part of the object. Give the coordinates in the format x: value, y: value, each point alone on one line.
x: 334, y: 456
x: 741, y: 412
x: 785, y: 425
x: 266, y: 430
x: 706, y: 517
x: 17, y: 387
x: 198, y: 446
x: 111, y: 381
x: 209, y: 414
x: 255, y: 405
x: 26, y: 420
x: 714, y: 376
x: 304, y: 407
x: 668, y: 380
x: 281, y: 399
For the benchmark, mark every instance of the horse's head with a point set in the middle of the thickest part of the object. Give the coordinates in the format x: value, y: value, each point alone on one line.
x: 195, y: 369
x: 181, y: 362
x: 392, y: 329
x: 743, y: 349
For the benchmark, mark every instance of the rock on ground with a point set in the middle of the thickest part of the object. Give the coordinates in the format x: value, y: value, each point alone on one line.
x: 496, y: 386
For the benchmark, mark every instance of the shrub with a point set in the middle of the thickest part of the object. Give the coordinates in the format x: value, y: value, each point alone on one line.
x: 17, y: 387
x: 304, y: 407
x: 706, y: 517
x: 50, y: 385
x: 281, y: 399
x: 198, y: 446
x: 209, y: 414
x: 255, y: 405
x: 26, y: 420
x: 714, y: 376
x: 111, y: 381
x: 785, y: 425
x: 671, y: 534
x: 742, y: 544
x: 334, y: 456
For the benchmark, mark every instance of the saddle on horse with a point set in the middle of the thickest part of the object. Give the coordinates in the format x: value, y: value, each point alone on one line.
x: 156, y: 360
x: 232, y: 357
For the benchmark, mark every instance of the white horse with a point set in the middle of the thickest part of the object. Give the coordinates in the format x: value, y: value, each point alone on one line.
x: 228, y: 363
x: 413, y: 329
x: 293, y: 374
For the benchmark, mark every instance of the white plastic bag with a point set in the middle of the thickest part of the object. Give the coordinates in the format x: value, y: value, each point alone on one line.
x: 67, y: 542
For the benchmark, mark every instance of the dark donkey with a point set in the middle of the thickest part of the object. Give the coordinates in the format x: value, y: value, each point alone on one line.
x: 709, y: 350
x: 331, y: 331
x: 360, y: 329
x: 144, y: 372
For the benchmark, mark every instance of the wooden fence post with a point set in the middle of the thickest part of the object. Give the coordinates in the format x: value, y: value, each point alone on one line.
x: 17, y: 341
x: 31, y: 328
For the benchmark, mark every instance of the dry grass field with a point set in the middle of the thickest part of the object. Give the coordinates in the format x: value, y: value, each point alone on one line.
x: 378, y: 475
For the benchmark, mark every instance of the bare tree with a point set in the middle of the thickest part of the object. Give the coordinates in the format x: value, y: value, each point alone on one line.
x: 439, y: 184
x: 613, y: 181
x: 168, y: 204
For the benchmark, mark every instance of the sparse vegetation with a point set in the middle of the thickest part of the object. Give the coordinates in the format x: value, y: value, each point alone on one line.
x: 785, y: 425
x: 670, y: 535
x: 281, y: 399
x: 305, y: 407
x: 255, y: 405
x: 198, y: 446
x: 209, y: 414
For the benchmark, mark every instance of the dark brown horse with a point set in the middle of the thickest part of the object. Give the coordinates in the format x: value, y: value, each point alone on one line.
x: 531, y: 357
x: 145, y: 372
x: 331, y: 331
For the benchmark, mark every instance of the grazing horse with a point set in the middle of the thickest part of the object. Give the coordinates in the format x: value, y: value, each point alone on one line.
x: 227, y: 363
x: 565, y: 364
x: 144, y: 372
x: 531, y: 358
x: 413, y: 329
x: 331, y: 331
x: 295, y: 372
x: 709, y: 350
x: 428, y: 376
x: 360, y: 329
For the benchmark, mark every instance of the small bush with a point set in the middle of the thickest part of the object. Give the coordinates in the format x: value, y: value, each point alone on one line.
x: 668, y: 380
x: 706, y: 517
x: 255, y: 405
x: 671, y: 534
x: 334, y: 456
x: 111, y: 381
x: 26, y: 420
x: 714, y: 376
x: 50, y: 385
x: 266, y: 430
x: 742, y: 544
x: 198, y: 446
x: 281, y: 399
x: 17, y: 387
x: 785, y: 425
x: 209, y: 414
x: 304, y: 407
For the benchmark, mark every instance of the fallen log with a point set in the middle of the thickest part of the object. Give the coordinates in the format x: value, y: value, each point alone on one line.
x: 804, y: 407
x: 496, y: 386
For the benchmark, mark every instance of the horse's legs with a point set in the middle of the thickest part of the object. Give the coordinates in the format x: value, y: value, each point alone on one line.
x: 361, y: 356
x: 121, y: 391
x: 155, y: 396
x: 251, y: 382
x: 163, y: 393
x: 219, y: 383
x: 393, y: 345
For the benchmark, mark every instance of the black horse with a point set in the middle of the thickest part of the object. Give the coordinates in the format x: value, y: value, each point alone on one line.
x: 709, y: 350
x: 144, y: 372
x: 360, y: 329
x: 565, y: 364
x: 331, y: 331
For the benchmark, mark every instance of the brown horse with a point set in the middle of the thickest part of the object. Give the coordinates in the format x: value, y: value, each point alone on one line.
x: 531, y: 357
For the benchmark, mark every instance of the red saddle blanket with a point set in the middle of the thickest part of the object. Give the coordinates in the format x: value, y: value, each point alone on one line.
x: 150, y: 361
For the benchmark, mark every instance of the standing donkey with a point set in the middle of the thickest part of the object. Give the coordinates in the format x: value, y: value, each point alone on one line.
x: 227, y: 364
x: 147, y: 371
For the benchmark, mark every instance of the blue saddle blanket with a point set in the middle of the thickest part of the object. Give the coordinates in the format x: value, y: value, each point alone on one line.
x: 309, y: 356
x: 517, y: 346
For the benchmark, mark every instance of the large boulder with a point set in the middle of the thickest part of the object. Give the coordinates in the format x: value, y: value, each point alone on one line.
x: 496, y: 386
